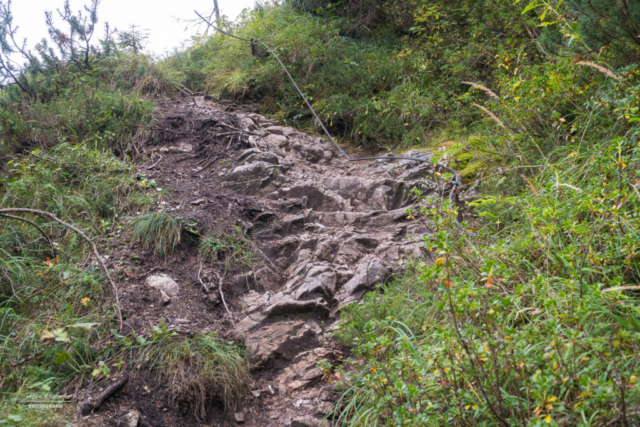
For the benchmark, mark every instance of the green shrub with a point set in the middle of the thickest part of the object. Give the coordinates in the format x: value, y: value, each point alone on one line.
x: 56, y: 311
x: 390, y: 84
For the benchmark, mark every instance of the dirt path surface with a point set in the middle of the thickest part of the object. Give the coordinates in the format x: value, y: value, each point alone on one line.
x: 324, y: 232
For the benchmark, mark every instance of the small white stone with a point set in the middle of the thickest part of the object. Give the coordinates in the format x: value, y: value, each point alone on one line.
x: 166, y: 284
x: 131, y: 419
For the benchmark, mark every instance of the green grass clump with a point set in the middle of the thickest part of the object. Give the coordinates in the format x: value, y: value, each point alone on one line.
x: 197, y: 370
x: 159, y: 230
x: 232, y: 249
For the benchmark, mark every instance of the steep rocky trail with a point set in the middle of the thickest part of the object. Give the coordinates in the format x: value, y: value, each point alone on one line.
x: 324, y: 231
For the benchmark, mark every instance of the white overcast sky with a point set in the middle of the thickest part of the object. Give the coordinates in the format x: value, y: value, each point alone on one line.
x: 165, y: 19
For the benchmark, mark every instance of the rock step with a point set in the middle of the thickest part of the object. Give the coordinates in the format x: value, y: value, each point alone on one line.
x: 328, y: 231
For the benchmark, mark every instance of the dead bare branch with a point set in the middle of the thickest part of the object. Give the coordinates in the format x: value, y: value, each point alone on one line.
x: 33, y: 224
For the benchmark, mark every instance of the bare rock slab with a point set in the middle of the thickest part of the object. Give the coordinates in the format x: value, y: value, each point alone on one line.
x: 282, y: 339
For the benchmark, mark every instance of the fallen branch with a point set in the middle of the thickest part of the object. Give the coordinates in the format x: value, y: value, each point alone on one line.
x: 26, y: 359
x: 156, y: 163
x: 53, y: 249
x: 5, y: 211
x: 94, y: 403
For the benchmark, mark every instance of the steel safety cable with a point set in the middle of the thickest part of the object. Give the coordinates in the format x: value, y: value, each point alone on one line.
x: 457, y: 179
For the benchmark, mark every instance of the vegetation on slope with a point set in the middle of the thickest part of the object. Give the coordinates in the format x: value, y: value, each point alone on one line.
x: 535, y: 322
x: 69, y: 123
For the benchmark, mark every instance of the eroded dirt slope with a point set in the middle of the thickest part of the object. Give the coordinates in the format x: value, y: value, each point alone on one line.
x: 324, y: 231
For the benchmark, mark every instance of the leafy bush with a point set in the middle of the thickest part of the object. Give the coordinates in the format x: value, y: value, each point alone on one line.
x: 537, y: 322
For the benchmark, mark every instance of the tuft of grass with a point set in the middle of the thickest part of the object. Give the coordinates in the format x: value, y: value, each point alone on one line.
x: 230, y: 250
x: 197, y: 370
x: 158, y: 230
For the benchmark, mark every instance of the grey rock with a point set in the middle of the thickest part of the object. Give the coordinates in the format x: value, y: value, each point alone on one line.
x: 281, y: 130
x: 164, y: 298
x: 252, y: 176
x: 324, y: 408
x: 284, y: 339
x: 181, y: 147
x: 253, y: 155
x: 165, y: 284
x: 370, y: 272
x: 131, y: 419
x: 275, y: 141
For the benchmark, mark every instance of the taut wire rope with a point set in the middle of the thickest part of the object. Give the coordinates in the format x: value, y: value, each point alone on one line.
x: 457, y: 179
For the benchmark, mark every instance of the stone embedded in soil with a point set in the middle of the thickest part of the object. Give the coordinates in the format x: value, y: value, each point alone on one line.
x: 324, y: 408
x: 164, y: 284
x: 131, y: 419
x: 276, y: 142
x: 238, y: 417
x: 303, y: 372
x: 181, y: 147
x: 251, y: 176
x: 281, y: 130
x: 164, y: 298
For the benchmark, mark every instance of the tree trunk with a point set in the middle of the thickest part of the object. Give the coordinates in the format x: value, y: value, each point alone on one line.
x: 216, y: 9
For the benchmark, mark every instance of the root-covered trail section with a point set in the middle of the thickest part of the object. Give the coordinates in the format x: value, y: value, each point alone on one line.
x: 323, y: 232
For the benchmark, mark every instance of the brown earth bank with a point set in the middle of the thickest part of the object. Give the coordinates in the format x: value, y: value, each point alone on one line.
x: 323, y: 232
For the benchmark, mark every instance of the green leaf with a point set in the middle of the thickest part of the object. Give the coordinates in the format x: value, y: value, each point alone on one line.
x: 62, y: 357
x: 531, y: 6
x: 86, y: 326
x: 488, y: 215
x: 543, y: 14
x: 634, y: 120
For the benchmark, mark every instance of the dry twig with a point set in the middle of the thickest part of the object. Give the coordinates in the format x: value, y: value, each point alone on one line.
x: 221, y: 282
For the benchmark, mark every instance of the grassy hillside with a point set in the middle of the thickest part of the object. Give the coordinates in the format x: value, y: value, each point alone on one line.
x: 535, y: 321
x: 68, y: 134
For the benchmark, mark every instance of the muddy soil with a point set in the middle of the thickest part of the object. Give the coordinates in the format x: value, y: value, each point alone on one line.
x: 325, y: 231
